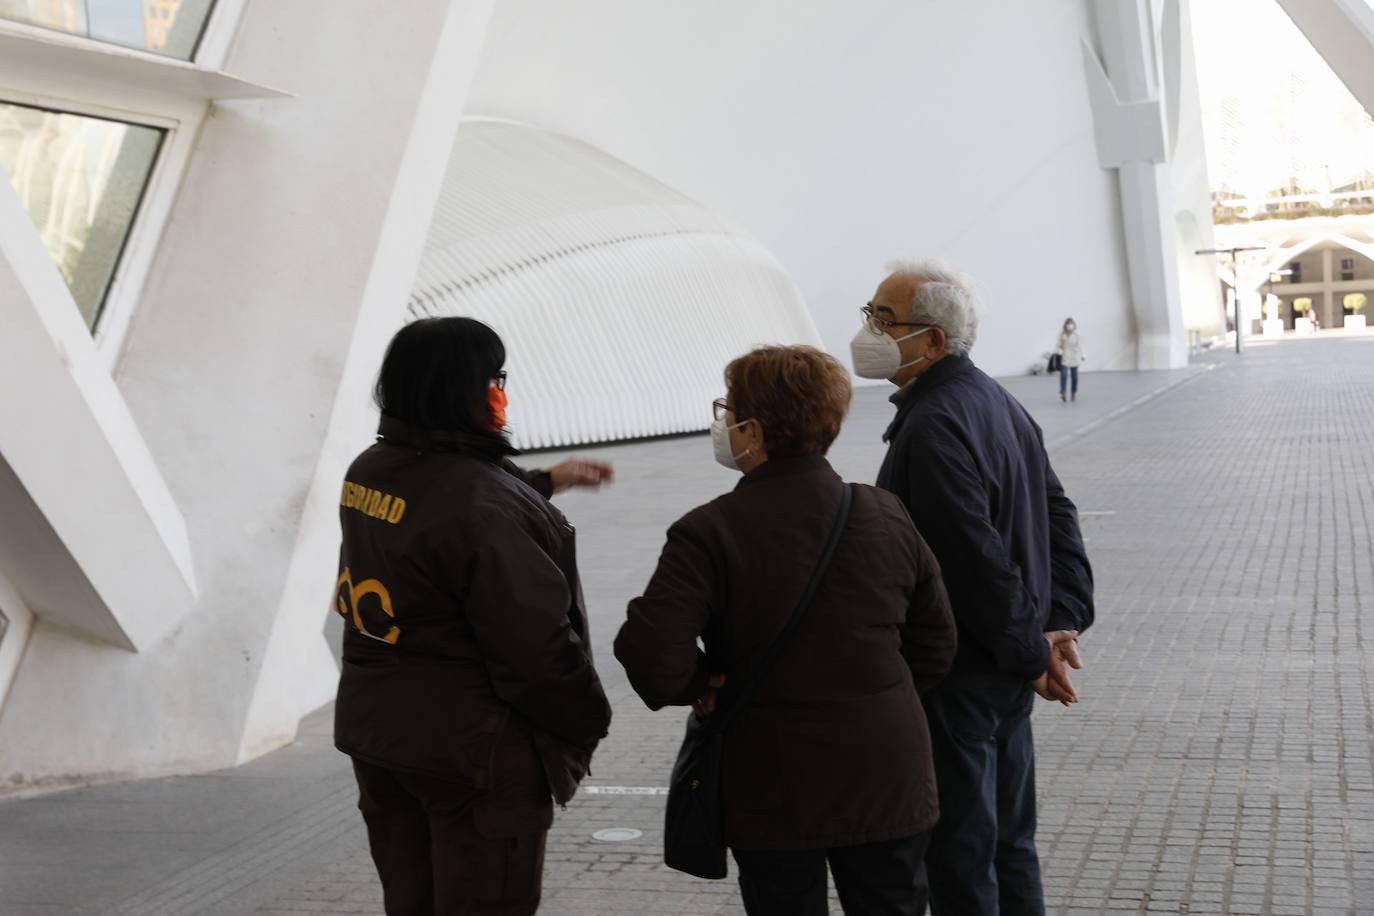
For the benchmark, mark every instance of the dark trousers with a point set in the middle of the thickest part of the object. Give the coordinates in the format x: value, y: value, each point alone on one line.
x: 431, y: 855
x: 982, y: 859
x: 875, y: 879
x: 1065, y: 373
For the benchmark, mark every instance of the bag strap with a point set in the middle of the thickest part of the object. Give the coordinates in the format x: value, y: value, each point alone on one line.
x: 722, y: 721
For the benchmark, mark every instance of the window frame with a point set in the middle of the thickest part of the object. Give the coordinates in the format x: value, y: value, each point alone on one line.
x: 179, y: 113
x: 15, y: 639
x: 180, y: 121
x: 49, y: 33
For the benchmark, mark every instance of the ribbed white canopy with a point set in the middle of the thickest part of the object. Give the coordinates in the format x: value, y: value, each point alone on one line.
x: 620, y: 301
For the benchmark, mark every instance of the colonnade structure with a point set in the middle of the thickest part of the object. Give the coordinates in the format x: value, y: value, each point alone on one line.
x: 215, y: 213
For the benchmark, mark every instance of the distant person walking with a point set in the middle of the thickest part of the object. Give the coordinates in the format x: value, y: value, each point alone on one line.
x: 1070, y: 350
x: 829, y: 760
x: 970, y: 465
x: 467, y: 696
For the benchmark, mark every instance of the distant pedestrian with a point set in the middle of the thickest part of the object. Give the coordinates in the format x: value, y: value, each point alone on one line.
x: 467, y: 696
x: 1070, y: 350
x: 829, y: 760
x: 970, y: 465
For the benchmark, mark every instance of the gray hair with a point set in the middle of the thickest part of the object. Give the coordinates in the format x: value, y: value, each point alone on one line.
x: 945, y: 300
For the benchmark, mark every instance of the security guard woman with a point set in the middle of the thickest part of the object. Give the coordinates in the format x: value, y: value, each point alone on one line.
x: 468, y: 700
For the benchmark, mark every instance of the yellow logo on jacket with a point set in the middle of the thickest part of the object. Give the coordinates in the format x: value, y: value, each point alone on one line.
x: 372, y: 503
x: 347, y: 596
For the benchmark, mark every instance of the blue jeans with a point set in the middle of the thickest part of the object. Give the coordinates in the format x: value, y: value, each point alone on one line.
x: 1064, y: 373
x: 982, y: 859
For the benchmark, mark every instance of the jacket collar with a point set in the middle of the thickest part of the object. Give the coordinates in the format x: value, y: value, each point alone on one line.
x: 907, y: 397
x: 785, y: 467
x: 396, y: 432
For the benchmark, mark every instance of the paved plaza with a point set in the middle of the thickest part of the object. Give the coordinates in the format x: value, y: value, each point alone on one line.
x: 1221, y: 762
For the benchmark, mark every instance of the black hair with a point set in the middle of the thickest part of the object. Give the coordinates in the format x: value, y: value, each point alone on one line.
x: 436, y: 374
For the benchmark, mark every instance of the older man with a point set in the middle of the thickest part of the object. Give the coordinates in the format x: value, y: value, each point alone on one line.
x: 970, y: 464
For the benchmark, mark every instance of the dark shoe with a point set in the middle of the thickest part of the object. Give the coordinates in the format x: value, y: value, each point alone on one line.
x: 1061, y: 396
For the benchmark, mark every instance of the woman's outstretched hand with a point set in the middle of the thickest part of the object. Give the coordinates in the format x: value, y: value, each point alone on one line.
x: 579, y: 472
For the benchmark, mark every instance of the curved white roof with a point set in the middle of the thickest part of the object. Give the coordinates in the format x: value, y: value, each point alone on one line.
x: 619, y: 299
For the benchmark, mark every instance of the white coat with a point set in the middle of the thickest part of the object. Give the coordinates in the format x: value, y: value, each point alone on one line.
x: 1070, y: 350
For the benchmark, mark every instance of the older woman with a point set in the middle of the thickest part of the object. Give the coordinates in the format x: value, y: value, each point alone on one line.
x: 830, y: 759
x: 468, y: 700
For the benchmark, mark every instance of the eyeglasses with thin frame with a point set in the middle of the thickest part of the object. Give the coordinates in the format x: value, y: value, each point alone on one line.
x: 720, y: 408
x: 879, y: 325
x: 500, y: 380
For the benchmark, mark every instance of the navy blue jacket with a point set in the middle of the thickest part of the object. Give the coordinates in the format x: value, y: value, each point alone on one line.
x: 970, y: 464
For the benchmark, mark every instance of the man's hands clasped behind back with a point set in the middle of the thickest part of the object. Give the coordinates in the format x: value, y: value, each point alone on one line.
x: 1055, y: 684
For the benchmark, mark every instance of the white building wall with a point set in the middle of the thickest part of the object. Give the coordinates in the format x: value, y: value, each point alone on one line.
x: 298, y: 221
x: 285, y: 243
x: 844, y: 134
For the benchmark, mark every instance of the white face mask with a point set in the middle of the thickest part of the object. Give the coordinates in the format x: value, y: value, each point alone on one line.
x: 1070, y: 327
x: 878, y: 355
x: 720, y: 441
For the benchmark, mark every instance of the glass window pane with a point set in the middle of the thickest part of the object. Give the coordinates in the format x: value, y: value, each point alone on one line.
x: 81, y: 179
x: 169, y: 27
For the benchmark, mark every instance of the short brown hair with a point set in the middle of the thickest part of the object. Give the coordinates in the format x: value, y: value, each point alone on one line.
x: 799, y: 395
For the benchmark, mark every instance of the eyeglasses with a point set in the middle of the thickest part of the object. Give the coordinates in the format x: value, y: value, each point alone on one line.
x: 500, y: 380
x: 878, y: 324
x: 720, y: 408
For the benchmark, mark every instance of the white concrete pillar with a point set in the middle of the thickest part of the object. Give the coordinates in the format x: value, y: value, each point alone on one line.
x: 1125, y: 87
x: 1329, y: 278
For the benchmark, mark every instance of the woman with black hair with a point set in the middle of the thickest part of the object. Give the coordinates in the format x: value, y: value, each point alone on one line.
x: 468, y: 699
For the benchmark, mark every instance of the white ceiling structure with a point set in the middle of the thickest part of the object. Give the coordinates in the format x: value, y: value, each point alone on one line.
x: 603, y: 278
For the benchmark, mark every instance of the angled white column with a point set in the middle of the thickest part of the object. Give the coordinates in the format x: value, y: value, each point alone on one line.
x: 287, y: 688
x: 1125, y: 86
x: 91, y: 539
x: 1342, y: 31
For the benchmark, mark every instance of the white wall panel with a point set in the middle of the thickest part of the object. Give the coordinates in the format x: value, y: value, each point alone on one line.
x: 290, y: 248
x: 620, y: 300
x: 841, y: 135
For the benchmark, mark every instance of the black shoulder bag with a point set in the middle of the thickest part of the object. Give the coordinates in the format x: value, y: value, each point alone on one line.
x: 694, y: 830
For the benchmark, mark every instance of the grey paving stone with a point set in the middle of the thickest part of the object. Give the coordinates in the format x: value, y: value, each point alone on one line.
x: 1220, y: 762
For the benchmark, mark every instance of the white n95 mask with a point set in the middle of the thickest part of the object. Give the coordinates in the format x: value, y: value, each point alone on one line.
x: 877, y: 355
x: 720, y: 441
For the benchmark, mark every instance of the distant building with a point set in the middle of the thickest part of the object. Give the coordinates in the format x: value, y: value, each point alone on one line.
x: 158, y: 18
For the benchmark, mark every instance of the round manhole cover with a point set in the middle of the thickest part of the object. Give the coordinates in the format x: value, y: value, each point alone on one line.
x: 617, y: 835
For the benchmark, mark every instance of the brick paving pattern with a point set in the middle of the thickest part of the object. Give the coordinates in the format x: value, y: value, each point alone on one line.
x: 1221, y: 762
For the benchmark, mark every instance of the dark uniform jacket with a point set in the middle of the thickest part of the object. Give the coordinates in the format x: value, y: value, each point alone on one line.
x: 970, y: 465
x: 833, y: 750
x: 465, y: 634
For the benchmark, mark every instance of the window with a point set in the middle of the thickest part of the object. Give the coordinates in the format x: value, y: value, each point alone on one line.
x: 1347, y: 263
x: 1296, y: 275
x: 80, y: 179
x: 1347, y: 275
x: 171, y: 28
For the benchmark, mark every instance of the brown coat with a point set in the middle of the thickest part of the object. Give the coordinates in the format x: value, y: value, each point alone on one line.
x: 465, y: 637
x: 833, y: 750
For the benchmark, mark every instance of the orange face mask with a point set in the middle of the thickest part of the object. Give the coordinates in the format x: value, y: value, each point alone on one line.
x: 497, y: 401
